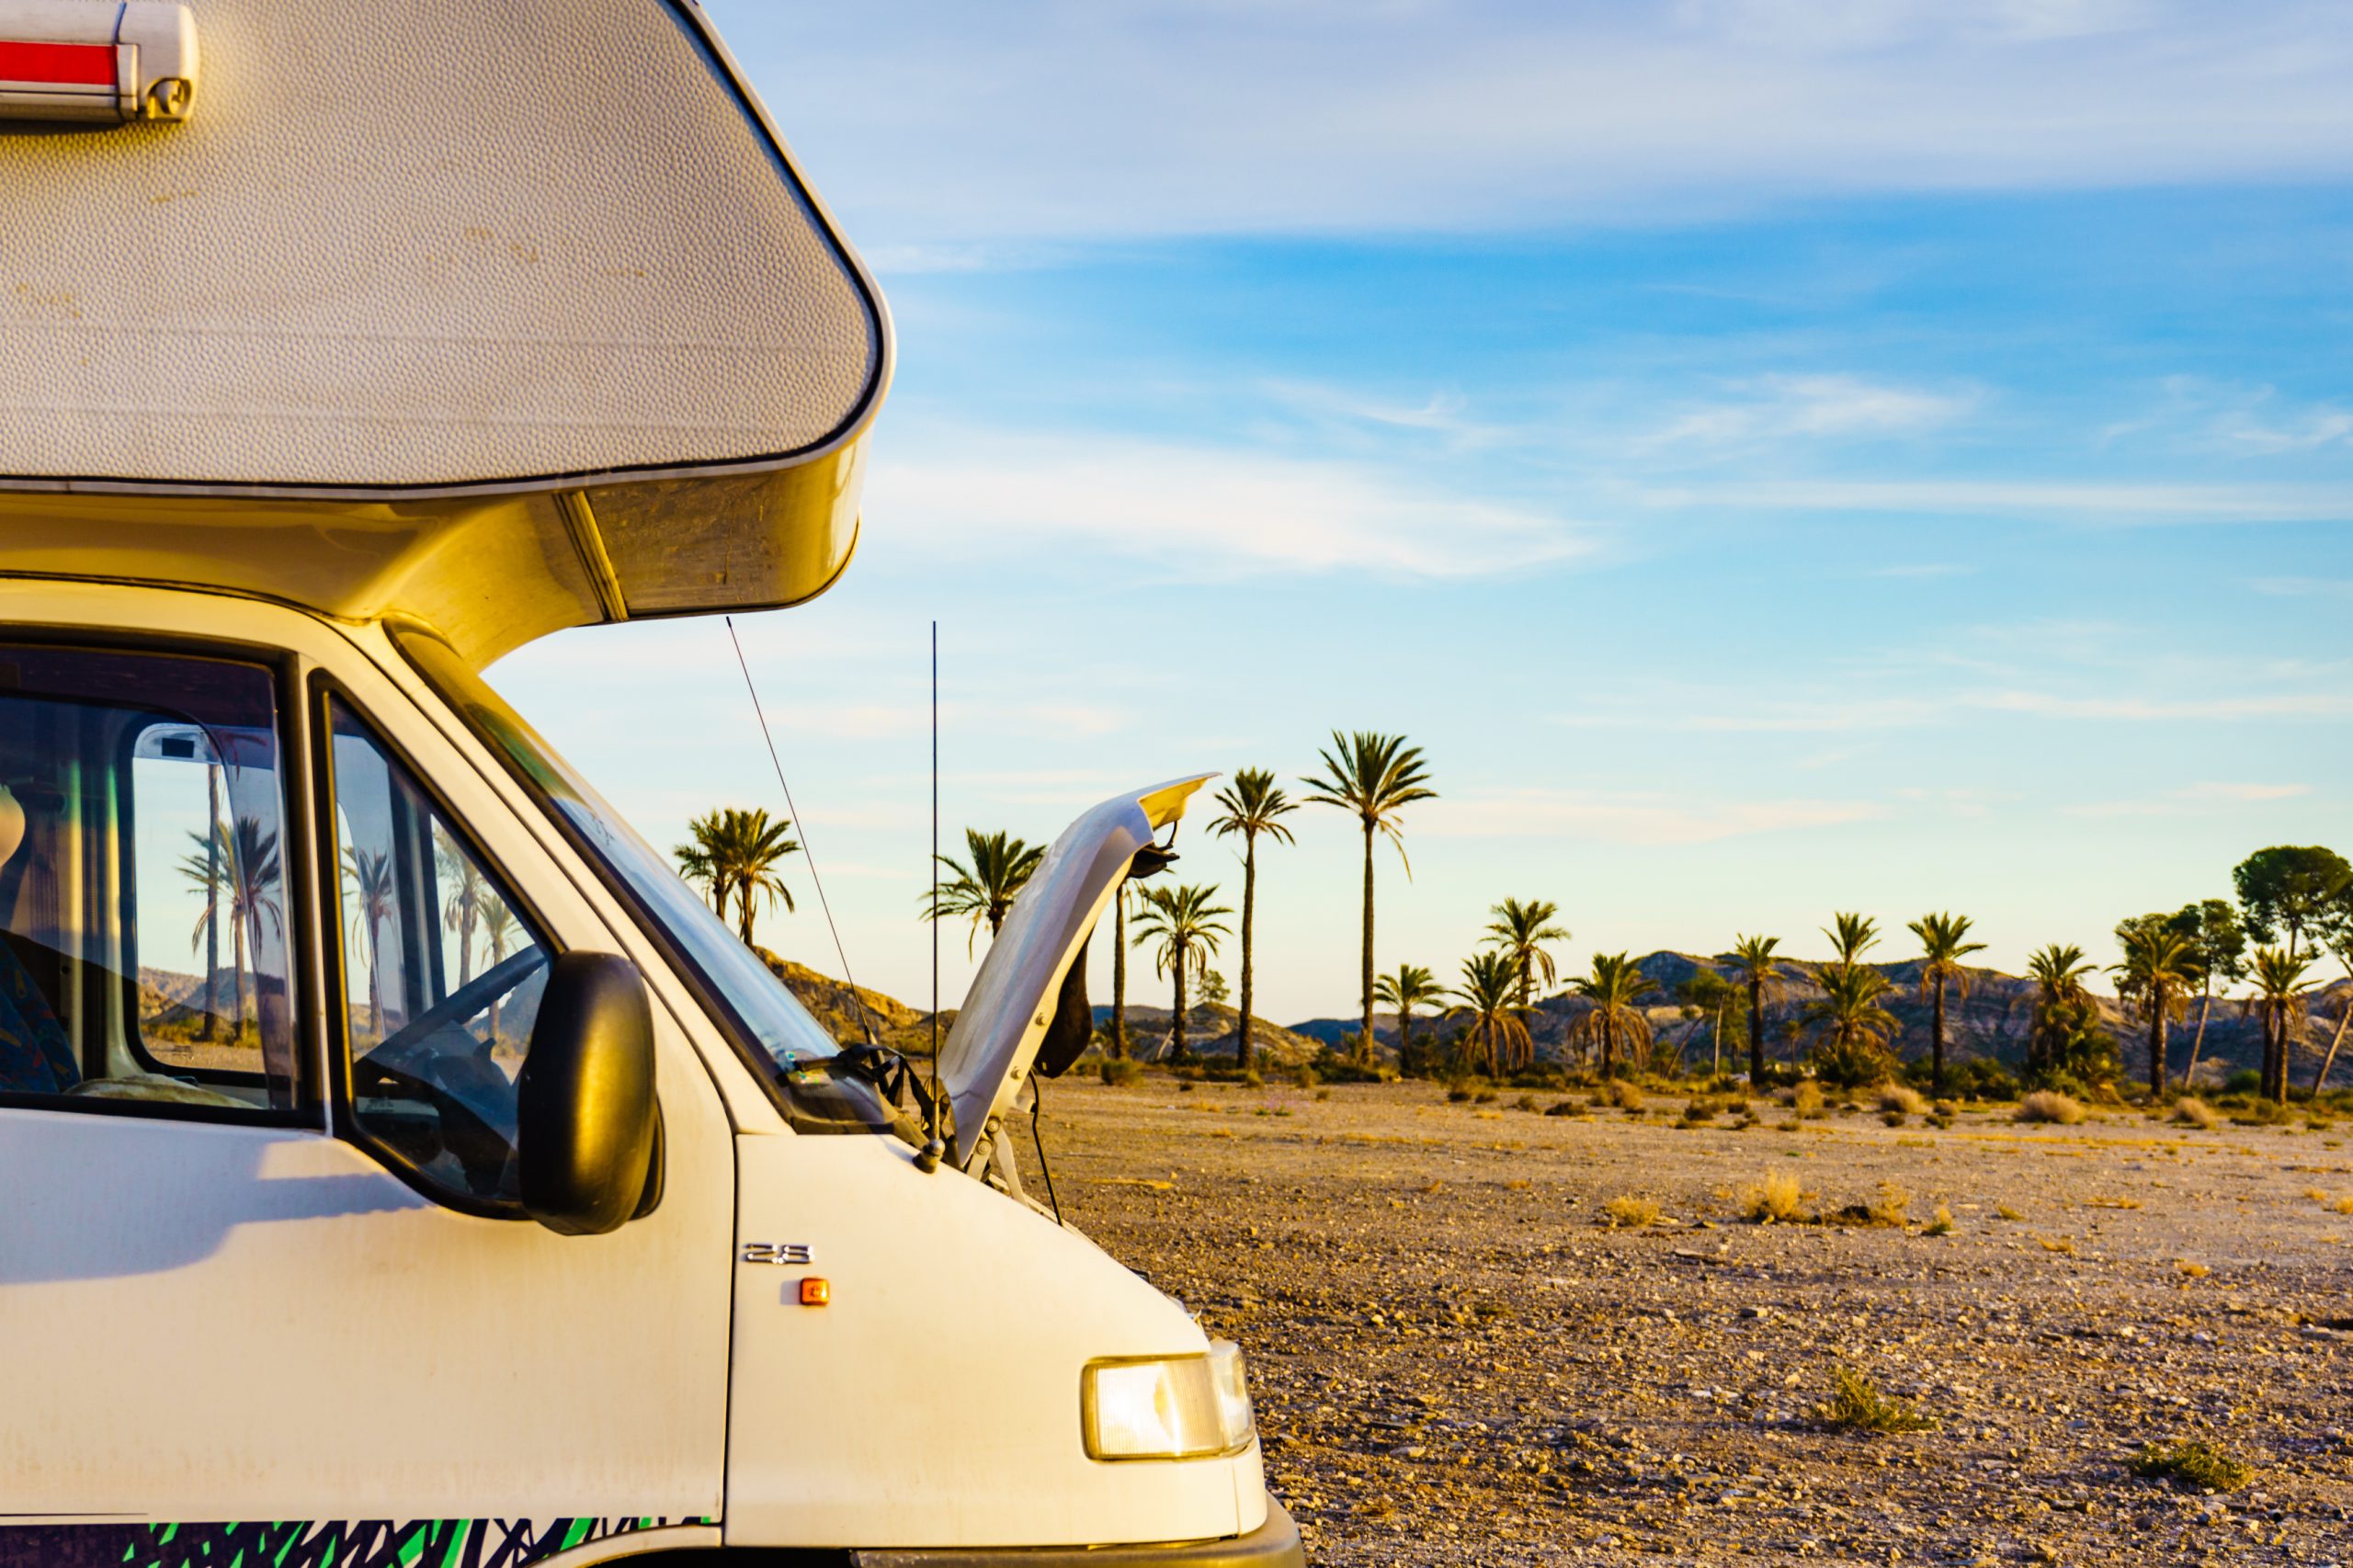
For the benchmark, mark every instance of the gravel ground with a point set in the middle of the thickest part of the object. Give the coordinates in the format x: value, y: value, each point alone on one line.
x: 1456, y: 1359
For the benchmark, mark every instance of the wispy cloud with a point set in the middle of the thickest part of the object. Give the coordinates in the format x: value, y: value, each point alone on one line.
x: 2096, y: 502
x: 1205, y: 511
x: 1834, y: 715
x: 1786, y: 407
x: 1629, y: 818
x: 2193, y: 800
x: 2306, y: 587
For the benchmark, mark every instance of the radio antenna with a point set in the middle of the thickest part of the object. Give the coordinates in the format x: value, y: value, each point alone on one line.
x: 935, y: 865
x: 865, y: 1013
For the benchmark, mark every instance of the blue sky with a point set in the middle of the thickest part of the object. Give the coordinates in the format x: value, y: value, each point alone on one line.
x: 1776, y: 458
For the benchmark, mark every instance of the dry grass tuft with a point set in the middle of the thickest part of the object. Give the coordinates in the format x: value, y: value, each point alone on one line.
x: 2065, y: 1246
x: 1939, y: 1223
x: 1630, y: 1212
x: 1893, y: 1118
x: 2050, y: 1105
x: 2192, y: 1270
x: 1901, y: 1097
x: 2343, y: 1206
x: 2191, y: 1111
x: 1625, y: 1094
x: 1804, y: 1100
x: 2005, y: 1211
x: 1856, y: 1406
x: 2193, y: 1462
x: 1773, y: 1201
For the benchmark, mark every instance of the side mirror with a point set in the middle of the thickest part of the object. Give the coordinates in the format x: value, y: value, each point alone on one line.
x: 587, y: 1129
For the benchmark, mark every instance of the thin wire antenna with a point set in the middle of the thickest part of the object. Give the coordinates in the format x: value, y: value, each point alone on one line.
x: 934, y: 863
x: 865, y: 1013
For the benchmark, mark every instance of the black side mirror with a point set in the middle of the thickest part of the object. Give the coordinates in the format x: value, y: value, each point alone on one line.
x: 586, y: 1123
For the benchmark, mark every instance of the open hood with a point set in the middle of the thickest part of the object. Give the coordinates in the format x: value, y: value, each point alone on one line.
x: 1004, y: 1020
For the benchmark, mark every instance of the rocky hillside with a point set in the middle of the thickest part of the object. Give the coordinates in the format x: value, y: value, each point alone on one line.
x: 1209, y: 1033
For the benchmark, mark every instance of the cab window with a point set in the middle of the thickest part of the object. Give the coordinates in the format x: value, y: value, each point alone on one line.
x: 441, y: 976
x: 143, y: 939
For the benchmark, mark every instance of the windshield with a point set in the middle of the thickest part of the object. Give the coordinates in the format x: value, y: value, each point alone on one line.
x: 757, y: 1008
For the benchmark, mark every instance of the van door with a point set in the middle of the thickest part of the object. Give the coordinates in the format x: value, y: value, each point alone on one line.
x: 269, y: 955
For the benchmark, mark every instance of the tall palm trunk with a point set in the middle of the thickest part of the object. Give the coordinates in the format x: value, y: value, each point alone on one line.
x: 1119, y: 973
x: 2344, y: 1013
x: 237, y: 948
x: 212, y: 903
x: 1249, y: 900
x: 1609, y: 1046
x: 2157, y: 1000
x: 2197, y: 1041
x: 1405, y: 1036
x: 1756, y: 1033
x: 1177, y: 1017
x: 1936, y: 1042
x: 1364, y: 1042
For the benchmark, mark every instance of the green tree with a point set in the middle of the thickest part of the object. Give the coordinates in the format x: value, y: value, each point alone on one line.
x: 2212, y: 924
x: 1373, y: 777
x: 1185, y: 924
x: 1708, y: 995
x: 1495, y: 1038
x: 2066, y: 1039
x: 1851, y: 1029
x: 698, y: 860
x: 1409, y: 988
x: 733, y: 854
x: 1943, y: 944
x: 2280, y: 1001
x: 1613, y: 1022
x: 1521, y: 929
x: 1253, y: 804
x: 2160, y: 970
x: 983, y: 891
x: 1754, y: 965
x: 2288, y: 888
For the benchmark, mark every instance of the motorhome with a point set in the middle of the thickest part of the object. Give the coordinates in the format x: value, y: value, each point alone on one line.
x: 402, y: 1165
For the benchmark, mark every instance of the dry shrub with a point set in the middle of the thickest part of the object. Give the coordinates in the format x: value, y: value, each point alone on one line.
x: 1625, y: 1094
x: 1773, y: 1201
x: 1630, y: 1212
x: 2065, y: 1245
x: 1887, y: 1209
x: 1698, y: 1111
x: 1564, y: 1108
x: 1939, y: 1223
x: 2007, y: 1212
x: 1856, y: 1406
x: 1893, y: 1118
x: 1525, y: 1102
x: 1806, y: 1100
x: 2343, y: 1206
x: 2050, y: 1105
x: 1901, y: 1097
x: 2191, y: 1111
x: 1119, y: 1072
x: 2192, y: 1270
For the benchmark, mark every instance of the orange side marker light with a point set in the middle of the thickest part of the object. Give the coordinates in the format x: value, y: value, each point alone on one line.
x: 815, y: 1293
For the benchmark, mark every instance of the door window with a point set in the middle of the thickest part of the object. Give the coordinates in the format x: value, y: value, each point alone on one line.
x: 143, y: 941
x: 442, y: 975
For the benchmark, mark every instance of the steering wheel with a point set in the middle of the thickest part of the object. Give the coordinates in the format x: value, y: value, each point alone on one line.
x: 463, y: 1003
x: 433, y: 1062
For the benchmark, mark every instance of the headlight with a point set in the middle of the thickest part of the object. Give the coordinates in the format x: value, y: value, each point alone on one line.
x: 1176, y: 1407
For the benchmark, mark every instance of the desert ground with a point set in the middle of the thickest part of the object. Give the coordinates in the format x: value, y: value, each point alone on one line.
x: 1457, y: 1359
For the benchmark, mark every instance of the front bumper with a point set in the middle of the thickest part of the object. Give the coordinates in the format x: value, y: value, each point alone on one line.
x: 1274, y: 1544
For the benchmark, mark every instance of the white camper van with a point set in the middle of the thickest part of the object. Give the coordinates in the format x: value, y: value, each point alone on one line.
x: 398, y: 1163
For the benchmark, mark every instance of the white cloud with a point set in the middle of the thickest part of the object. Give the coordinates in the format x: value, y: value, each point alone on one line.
x: 2224, y: 708
x: 1783, y: 408
x: 2306, y: 587
x: 2244, y: 792
x: 1203, y: 511
x: 2089, y: 501
x: 2193, y: 800
x: 924, y: 119
x: 1625, y: 818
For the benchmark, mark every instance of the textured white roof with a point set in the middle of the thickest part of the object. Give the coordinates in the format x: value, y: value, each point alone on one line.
x: 430, y: 244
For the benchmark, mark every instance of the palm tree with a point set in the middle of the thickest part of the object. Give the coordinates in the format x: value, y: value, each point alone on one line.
x: 1521, y: 930
x: 1185, y: 926
x: 463, y: 907
x: 1850, y: 937
x: 1401, y: 992
x: 1854, y: 1028
x: 498, y: 933
x: 983, y: 891
x: 1943, y: 944
x: 1497, y: 1037
x: 755, y: 847
x: 1375, y: 777
x: 240, y: 863
x: 1612, y: 988
x: 1752, y: 962
x: 2214, y: 926
x: 374, y: 890
x: 700, y: 859
x: 2057, y: 972
x: 2279, y: 1000
x: 1253, y: 805
x: 2161, y: 968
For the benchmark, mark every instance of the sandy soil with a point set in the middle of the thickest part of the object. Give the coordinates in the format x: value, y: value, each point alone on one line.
x: 1455, y: 1360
